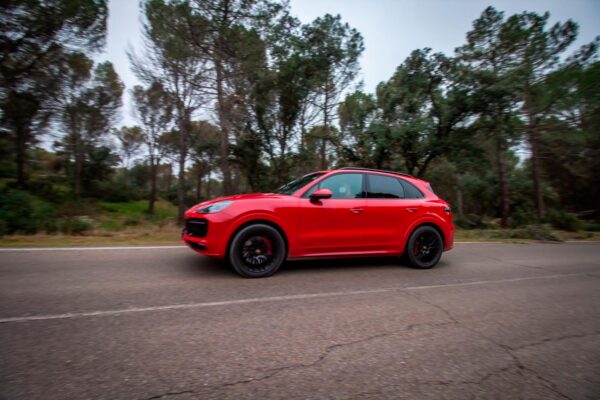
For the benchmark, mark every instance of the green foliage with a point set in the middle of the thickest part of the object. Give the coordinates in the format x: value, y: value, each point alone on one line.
x: 20, y: 212
x: 138, y: 210
x: 38, y: 38
x: 564, y: 220
x: 74, y: 225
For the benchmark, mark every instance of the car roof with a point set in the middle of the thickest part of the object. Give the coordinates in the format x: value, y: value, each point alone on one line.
x: 373, y: 170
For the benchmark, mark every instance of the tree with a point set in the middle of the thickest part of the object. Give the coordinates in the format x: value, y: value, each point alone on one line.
x: 179, y: 68
x: 363, y: 146
x: 537, y: 51
x: 335, y: 48
x: 205, y: 146
x: 569, y: 145
x: 130, y: 139
x: 36, y: 39
x: 212, y: 27
x: 488, y: 56
x: 154, y: 112
x: 89, y: 110
x: 423, y: 106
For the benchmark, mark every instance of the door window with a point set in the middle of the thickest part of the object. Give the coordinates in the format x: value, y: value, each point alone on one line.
x: 342, y: 186
x: 384, y: 187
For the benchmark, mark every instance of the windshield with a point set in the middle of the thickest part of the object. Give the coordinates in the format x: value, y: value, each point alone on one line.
x: 293, y: 186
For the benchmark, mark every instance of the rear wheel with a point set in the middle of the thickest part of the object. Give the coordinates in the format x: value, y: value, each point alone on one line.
x: 424, y: 247
x: 257, y: 251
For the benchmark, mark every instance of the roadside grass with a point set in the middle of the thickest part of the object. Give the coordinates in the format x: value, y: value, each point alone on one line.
x: 115, y: 217
x: 522, y: 235
x: 168, y: 234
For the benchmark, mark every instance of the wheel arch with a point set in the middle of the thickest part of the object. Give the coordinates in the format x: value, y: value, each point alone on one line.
x: 258, y: 221
x: 428, y: 223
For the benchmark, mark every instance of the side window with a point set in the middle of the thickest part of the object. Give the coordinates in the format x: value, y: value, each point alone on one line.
x: 343, y: 186
x: 411, y: 191
x: 384, y: 187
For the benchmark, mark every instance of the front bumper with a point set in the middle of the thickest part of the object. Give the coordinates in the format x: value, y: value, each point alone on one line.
x: 206, y: 233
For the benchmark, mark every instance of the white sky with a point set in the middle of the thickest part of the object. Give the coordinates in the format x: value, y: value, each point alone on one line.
x: 391, y: 28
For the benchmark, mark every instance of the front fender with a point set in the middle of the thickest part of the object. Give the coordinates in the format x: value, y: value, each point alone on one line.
x: 263, y: 215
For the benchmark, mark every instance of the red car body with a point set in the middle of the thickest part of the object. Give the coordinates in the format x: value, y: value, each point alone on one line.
x: 346, y: 227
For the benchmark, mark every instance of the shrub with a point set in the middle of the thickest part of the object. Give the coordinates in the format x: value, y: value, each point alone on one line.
x: 522, y: 217
x: 16, y: 209
x: 592, y: 227
x: 535, y: 232
x: 75, y: 225
x: 563, y: 220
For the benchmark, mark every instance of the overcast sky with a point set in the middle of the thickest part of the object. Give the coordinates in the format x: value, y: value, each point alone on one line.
x: 391, y: 28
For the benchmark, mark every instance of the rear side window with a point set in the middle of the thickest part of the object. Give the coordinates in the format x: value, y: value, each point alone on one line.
x: 384, y: 187
x: 411, y: 191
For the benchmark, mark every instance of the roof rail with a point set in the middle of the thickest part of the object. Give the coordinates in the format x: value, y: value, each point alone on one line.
x: 375, y: 170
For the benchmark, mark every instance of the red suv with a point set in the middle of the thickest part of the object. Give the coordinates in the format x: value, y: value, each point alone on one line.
x: 346, y: 212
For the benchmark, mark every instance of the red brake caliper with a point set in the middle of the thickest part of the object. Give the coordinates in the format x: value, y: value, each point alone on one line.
x: 268, y: 246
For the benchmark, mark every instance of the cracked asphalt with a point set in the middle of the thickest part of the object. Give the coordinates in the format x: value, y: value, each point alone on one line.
x: 491, y: 321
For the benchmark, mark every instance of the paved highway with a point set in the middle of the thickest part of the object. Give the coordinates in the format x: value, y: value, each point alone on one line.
x: 500, y: 321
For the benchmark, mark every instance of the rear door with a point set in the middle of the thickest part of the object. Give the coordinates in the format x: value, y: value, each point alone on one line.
x: 334, y: 225
x: 389, y: 210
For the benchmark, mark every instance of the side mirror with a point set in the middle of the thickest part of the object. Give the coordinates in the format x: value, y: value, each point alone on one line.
x: 320, y: 194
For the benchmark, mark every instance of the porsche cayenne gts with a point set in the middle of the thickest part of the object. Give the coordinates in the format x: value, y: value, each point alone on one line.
x: 347, y: 212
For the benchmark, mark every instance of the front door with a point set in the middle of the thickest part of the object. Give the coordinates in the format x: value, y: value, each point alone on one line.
x: 334, y: 225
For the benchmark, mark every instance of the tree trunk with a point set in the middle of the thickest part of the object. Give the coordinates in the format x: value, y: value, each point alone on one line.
x: 21, y: 148
x: 78, y: 167
x: 169, y: 177
x: 326, y: 129
x: 183, y: 150
x: 224, y: 123
x: 235, y: 180
x: 208, y: 187
x: 199, y: 186
x: 181, y: 190
x: 503, y: 181
x: 153, y: 173
x: 459, y: 201
x: 536, y: 169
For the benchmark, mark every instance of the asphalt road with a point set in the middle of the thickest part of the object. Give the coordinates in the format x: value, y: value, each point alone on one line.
x: 501, y: 321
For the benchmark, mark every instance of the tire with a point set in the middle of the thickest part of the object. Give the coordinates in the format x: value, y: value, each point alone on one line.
x: 257, y: 251
x: 424, y: 248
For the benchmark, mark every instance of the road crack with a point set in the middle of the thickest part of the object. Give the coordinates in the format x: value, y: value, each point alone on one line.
x: 521, y: 367
x: 326, y: 353
x: 168, y: 394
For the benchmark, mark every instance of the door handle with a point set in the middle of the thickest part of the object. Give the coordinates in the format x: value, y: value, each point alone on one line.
x: 412, y: 210
x: 356, y: 210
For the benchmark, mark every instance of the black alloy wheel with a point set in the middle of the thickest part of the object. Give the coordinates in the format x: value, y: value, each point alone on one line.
x: 424, y: 248
x: 257, y: 251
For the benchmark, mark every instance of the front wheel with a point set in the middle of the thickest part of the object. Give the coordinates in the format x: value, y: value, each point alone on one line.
x: 424, y: 247
x: 257, y: 251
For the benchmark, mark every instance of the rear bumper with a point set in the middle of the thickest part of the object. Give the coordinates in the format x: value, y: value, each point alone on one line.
x: 449, y: 238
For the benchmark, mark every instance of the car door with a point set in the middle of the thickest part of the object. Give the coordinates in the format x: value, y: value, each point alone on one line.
x: 389, y: 210
x: 334, y: 225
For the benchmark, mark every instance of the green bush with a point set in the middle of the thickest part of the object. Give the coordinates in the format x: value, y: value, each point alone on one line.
x: 563, y: 220
x: 592, y: 227
x: 522, y: 217
x: 535, y: 232
x: 75, y: 225
x: 16, y: 209
x: 20, y: 212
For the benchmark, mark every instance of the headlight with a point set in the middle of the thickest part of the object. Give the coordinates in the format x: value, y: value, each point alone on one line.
x: 215, y: 207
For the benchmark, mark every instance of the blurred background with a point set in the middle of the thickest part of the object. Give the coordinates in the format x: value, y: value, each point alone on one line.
x: 115, y: 117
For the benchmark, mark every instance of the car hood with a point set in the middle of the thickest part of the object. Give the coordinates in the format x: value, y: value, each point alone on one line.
x: 238, y: 197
